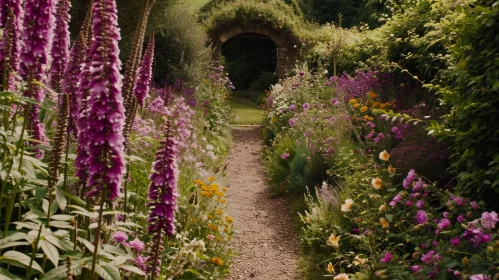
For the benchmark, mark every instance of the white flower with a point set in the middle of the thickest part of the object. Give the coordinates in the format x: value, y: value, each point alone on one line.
x: 348, y: 204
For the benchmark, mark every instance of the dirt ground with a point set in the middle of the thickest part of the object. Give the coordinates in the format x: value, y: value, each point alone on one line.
x: 266, y: 245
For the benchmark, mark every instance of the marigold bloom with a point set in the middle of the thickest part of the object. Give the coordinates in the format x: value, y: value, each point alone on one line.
x: 217, y: 261
x: 377, y: 183
x: 375, y: 105
x: 356, y: 105
x: 370, y: 119
x: 333, y: 240
x: 219, y: 193
x: 384, y: 105
x: 372, y: 95
x: 363, y: 109
x: 353, y: 101
x: 211, y: 178
x: 366, y: 117
x: 198, y: 182
x: 348, y: 204
x: 330, y: 268
x: 384, y: 155
x: 229, y: 219
x: 384, y: 223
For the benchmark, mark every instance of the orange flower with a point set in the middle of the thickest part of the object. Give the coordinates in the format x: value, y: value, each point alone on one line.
x: 363, y: 109
x: 366, y: 117
x: 391, y: 169
x: 375, y: 105
x: 384, y: 223
x: 229, y: 219
x: 353, y: 101
x: 198, y: 182
x: 211, y: 178
x: 206, y: 194
x: 370, y: 119
x: 356, y: 105
x: 372, y: 94
x: 377, y: 183
x: 384, y: 155
x: 217, y: 261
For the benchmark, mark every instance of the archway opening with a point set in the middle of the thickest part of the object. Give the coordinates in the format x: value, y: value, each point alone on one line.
x: 251, y: 60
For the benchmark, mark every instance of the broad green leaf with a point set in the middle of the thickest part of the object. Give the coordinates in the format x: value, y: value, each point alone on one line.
x: 60, y: 243
x: 107, y: 272
x: 62, y: 217
x: 6, y: 275
x: 50, y: 251
x: 133, y: 269
x: 19, y: 259
x: 13, y: 244
x: 61, y: 198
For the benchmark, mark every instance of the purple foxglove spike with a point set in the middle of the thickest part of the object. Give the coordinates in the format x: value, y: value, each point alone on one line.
x: 60, y: 48
x: 105, y: 113
x: 163, y: 188
x: 143, y: 79
x: 36, y: 39
x: 71, y: 80
x: 10, y: 19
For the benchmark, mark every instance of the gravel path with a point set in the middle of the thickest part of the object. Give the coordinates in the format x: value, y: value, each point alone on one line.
x: 266, y: 245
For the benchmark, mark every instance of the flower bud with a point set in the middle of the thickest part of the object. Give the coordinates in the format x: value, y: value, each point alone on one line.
x: 465, y: 261
x: 490, y: 249
x: 469, y: 214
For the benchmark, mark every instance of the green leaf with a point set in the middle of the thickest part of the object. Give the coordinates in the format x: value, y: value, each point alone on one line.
x: 133, y: 269
x: 56, y: 273
x: 61, y: 198
x: 19, y: 259
x: 13, y: 244
x: 49, y: 250
x: 389, y: 217
x: 60, y: 243
x: 108, y: 272
x: 6, y: 275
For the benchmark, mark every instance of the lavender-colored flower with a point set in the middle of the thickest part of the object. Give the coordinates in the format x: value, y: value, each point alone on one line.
x: 163, y: 189
x: 415, y: 268
x: 306, y: 106
x: 429, y: 257
x: 144, y: 74
x: 387, y: 258
x: 140, y: 262
x: 10, y: 20
x: 119, y: 236
x: 292, y: 122
x: 489, y: 220
x: 60, y: 48
x: 419, y: 204
x: 479, y: 277
x: 460, y: 218
x: 444, y: 223
x: 36, y: 40
x: 284, y: 156
x: 458, y: 200
x: 136, y: 245
x: 105, y: 116
x: 474, y: 205
x: 292, y: 107
x: 421, y: 217
x: 335, y: 102
x: 395, y: 200
x: 411, y: 176
x: 408, y: 203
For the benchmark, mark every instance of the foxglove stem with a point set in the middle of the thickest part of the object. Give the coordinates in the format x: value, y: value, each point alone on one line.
x: 60, y: 48
x: 105, y: 119
x: 36, y: 42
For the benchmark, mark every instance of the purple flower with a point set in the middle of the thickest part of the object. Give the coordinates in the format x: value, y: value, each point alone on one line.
x: 455, y: 241
x: 301, y: 73
x: 292, y: 107
x: 60, y: 48
x: 105, y: 115
x: 394, y: 129
x: 415, y: 268
x: 489, y: 220
x: 36, y: 40
x: 395, y: 200
x: 474, y: 205
x: 444, y: 223
x: 411, y: 176
x: 136, y: 245
x: 10, y: 21
x: 421, y: 217
x: 460, y: 218
x: 419, y: 204
x: 434, y: 243
x: 292, y: 122
x: 429, y: 257
x: 140, y: 262
x: 119, y: 236
x: 418, y: 185
x: 387, y: 258
x: 479, y: 277
x: 458, y: 200
x: 408, y: 203
x: 144, y: 74
x: 284, y: 156
x: 335, y: 102
x: 306, y: 106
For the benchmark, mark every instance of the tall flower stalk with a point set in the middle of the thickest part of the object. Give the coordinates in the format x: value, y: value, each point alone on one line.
x: 105, y: 113
x: 10, y: 21
x: 36, y: 42
x: 162, y: 195
x: 143, y: 80
x: 60, y: 48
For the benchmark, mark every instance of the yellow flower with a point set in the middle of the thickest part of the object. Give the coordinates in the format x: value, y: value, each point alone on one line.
x: 221, y: 200
x: 333, y: 240
x: 229, y: 237
x: 375, y: 104
x: 229, y: 219
x: 384, y: 155
x: 356, y: 105
x: 364, y: 109
x: 382, y: 208
x: 358, y: 260
x: 353, y: 101
x: 209, y: 216
x: 330, y: 268
x: 224, y: 189
x: 384, y: 105
x: 348, y: 204
x: 219, y: 212
x: 226, y: 230
x: 205, y: 188
x: 217, y: 261
x: 206, y: 194
x: 384, y: 223
x: 366, y: 117
x: 391, y: 169
x: 372, y: 94
x: 342, y: 276
x: 213, y: 188
x: 198, y: 182
x: 219, y: 193
x: 370, y: 119
x: 213, y: 227
x: 211, y: 178
x: 218, y: 238
x: 377, y: 183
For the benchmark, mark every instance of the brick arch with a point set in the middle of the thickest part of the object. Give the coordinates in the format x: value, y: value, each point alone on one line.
x: 287, y: 52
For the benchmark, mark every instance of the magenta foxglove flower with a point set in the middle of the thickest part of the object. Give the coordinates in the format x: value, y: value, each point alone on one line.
x: 143, y: 79
x: 163, y: 189
x: 105, y: 113
x: 60, y: 47
x: 11, y: 13
x: 421, y: 217
x: 387, y: 258
x: 36, y: 39
x: 489, y: 220
x: 140, y: 262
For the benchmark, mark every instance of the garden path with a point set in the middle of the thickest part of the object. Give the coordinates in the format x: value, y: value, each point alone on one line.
x: 266, y: 243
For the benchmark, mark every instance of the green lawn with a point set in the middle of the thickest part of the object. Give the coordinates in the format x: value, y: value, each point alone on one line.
x: 246, y: 112
x: 197, y: 4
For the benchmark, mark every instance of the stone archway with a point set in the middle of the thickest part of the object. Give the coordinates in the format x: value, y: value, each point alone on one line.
x: 287, y: 51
